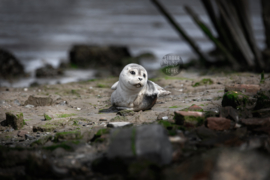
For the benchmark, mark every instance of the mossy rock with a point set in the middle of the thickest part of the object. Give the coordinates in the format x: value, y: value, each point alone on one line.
x: 69, y: 135
x: 263, y: 99
x: 45, y: 128
x: 203, y: 82
x: 237, y: 100
x: 98, y: 136
x: 126, y: 113
x: 171, y: 127
x: 15, y: 120
x: 41, y: 141
x: 47, y: 117
x: 119, y: 119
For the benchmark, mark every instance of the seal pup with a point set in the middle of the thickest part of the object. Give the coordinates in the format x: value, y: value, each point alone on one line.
x: 134, y: 91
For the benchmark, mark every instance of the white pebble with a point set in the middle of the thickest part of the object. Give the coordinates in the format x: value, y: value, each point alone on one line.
x: 79, y: 109
x: 90, y: 87
x: 25, y: 89
x: 181, y: 90
x: 165, y: 118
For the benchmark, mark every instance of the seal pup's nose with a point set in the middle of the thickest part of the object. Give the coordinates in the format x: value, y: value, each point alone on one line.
x: 140, y: 79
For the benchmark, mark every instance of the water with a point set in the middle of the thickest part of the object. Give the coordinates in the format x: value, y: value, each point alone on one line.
x: 40, y: 32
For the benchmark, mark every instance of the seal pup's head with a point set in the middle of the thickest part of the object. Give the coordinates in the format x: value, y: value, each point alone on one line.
x: 133, y: 77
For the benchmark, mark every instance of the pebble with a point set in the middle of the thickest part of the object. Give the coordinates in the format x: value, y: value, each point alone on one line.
x: 17, y: 102
x: 25, y: 89
x: 28, y: 137
x: 29, y: 106
x: 118, y: 124
x: 165, y: 118
x: 103, y: 119
x: 79, y: 109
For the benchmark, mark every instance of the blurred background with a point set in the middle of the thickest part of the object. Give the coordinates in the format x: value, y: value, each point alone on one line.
x: 43, y: 33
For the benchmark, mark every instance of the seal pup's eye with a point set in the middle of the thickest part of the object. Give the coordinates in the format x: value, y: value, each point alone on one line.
x: 132, y: 72
x: 144, y: 75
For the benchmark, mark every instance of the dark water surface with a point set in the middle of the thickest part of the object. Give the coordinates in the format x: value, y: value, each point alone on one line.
x: 39, y: 32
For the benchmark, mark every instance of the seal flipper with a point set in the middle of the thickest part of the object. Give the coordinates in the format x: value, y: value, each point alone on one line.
x: 160, y: 90
x: 114, y: 86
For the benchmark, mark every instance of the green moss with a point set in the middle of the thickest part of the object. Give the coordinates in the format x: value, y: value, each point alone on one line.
x: 174, y: 106
x: 171, y: 127
x: 76, y: 123
x: 47, y: 117
x: 102, y: 131
x: 118, y: 119
x: 69, y: 135
x: 102, y: 86
x: 74, y: 92
x: 235, y: 99
x: 20, y: 115
x: 65, y: 115
x: 197, y: 121
x: 41, y: 141
x: 92, y: 80
x: 27, y: 119
x: 203, y: 82
x: 262, y: 78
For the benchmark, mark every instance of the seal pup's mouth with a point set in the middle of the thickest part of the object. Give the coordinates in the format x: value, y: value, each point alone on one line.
x: 138, y: 85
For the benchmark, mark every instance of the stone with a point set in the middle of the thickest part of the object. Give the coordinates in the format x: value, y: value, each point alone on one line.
x: 167, y: 114
x: 250, y: 89
x: 10, y: 67
x: 262, y: 113
x: 29, y: 106
x: 218, y: 123
x: 48, y: 71
x: 60, y: 101
x: 255, y: 122
x: 229, y: 112
x: 16, y: 102
x: 27, y: 136
x: 44, y: 128
x: 194, y: 108
x: 39, y: 100
x: 15, y: 120
x: 147, y: 141
x: 192, y: 117
x: 21, y: 133
x: 112, y: 58
x: 263, y: 99
x: 237, y: 100
x: 48, y: 116
x: 118, y: 124
x: 126, y: 113
x: 103, y: 119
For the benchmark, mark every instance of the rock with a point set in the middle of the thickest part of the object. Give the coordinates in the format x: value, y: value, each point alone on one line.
x: 126, y: 113
x: 112, y: 58
x: 167, y: 114
x: 44, y: 128
x: 29, y: 106
x: 48, y: 71
x: 229, y: 112
x: 103, y: 119
x: 218, y: 123
x: 194, y: 108
x: 192, y: 117
x: 69, y: 135
x: 255, y: 122
x: 39, y: 100
x: 15, y: 121
x: 237, y: 100
x: 16, y: 102
x: 250, y: 89
x: 222, y: 164
x: 21, y: 133
x: 10, y: 67
x: 119, y: 119
x: 118, y: 124
x: 147, y: 141
x: 48, y: 116
x: 262, y: 113
x: 263, y: 99
x: 27, y: 136
x: 60, y: 101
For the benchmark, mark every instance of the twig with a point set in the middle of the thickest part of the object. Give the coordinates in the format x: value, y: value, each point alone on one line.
x: 180, y: 31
